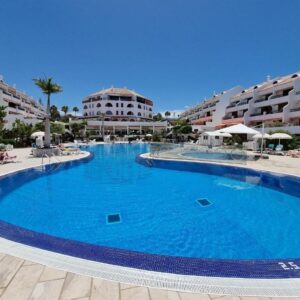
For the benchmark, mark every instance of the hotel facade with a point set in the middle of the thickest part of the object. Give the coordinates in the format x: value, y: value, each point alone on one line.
x: 120, y: 110
x: 275, y: 102
x: 19, y: 106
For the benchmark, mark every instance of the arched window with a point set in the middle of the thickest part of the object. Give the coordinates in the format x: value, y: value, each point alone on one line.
x: 98, y: 112
x: 150, y: 116
x: 139, y: 106
x: 130, y: 105
x: 139, y: 114
x: 276, y: 81
x: 150, y: 109
x: 109, y: 113
x: 294, y: 76
x: 85, y: 107
x: 98, y: 105
x: 130, y: 113
x: 85, y: 114
x: 108, y: 104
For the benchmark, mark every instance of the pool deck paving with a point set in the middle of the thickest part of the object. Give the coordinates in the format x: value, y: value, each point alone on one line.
x: 21, y: 279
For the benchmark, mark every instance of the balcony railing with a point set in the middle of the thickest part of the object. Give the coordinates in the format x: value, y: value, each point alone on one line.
x: 295, y: 109
x: 231, y: 105
x: 260, y: 100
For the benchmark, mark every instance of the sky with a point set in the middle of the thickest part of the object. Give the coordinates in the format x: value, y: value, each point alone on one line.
x: 175, y: 52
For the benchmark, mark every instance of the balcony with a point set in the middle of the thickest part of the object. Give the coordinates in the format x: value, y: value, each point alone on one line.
x: 202, y: 120
x: 232, y: 121
x: 231, y: 105
x: 275, y: 115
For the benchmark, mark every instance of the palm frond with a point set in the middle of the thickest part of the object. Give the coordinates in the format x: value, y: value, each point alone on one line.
x: 47, y: 86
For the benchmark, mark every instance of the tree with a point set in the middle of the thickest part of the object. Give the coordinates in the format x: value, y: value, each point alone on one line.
x: 157, y: 117
x: 2, y: 116
x: 76, y: 110
x: 48, y: 87
x: 22, y: 132
x: 65, y: 109
x: 77, y: 127
x: 167, y: 114
x: 54, y: 113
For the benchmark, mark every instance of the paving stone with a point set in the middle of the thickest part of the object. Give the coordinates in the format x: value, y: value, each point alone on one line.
x: 157, y: 294
x: 2, y: 255
x: 124, y: 286
x: 47, y: 290
x: 104, y: 290
x: 220, y: 297
x: 190, y: 296
x: 23, y: 283
x: 51, y: 274
x: 257, y: 298
x: 9, y: 265
x: 138, y: 293
x: 76, y: 286
x: 29, y: 263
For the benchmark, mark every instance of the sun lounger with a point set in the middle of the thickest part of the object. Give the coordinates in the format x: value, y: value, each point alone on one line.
x: 4, y: 157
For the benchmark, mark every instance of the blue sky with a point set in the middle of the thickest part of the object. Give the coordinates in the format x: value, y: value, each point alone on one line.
x: 173, y: 51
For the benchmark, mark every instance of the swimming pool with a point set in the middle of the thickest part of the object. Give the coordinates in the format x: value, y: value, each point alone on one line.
x: 159, y: 218
x: 209, y: 155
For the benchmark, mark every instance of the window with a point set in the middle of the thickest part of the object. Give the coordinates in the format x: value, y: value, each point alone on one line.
x: 85, y: 107
x: 140, y: 106
x: 139, y: 114
x: 122, y: 105
x: 117, y: 104
x: 85, y: 114
x: 98, y: 105
x: 109, y: 113
x: 122, y: 113
x: 108, y: 105
x: 130, y: 105
x: 117, y: 112
x: 130, y: 113
x: 98, y: 112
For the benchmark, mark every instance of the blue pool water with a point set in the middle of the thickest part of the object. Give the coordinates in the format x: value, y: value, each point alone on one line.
x: 158, y: 208
x: 214, y: 155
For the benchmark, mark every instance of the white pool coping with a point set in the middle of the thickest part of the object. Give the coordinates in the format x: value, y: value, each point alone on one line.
x: 289, y: 287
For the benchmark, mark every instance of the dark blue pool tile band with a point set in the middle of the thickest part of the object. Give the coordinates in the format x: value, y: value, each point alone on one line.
x: 285, y: 268
x: 284, y: 183
x: 151, y: 262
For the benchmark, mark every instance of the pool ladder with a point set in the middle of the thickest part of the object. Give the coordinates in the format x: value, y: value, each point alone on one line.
x: 53, y: 166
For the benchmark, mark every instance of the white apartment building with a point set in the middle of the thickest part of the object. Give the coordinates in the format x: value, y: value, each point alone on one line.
x: 275, y: 102
x: 19, y: 106
x: 209, y: 113
x: 118, y: 104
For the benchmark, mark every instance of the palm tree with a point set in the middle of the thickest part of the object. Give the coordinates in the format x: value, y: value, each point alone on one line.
x: 102, y: 116
x: 48, y: 87
x: 65, y: 109
x: 75, y: 109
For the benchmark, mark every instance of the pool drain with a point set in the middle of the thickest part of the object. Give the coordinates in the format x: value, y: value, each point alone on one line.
x: 113, y: 218
x: 203, y: 202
